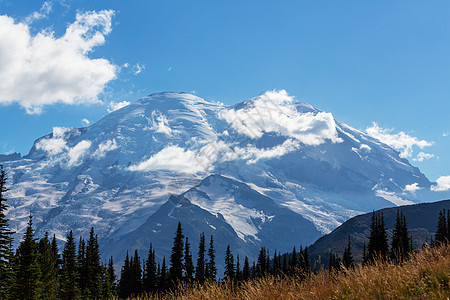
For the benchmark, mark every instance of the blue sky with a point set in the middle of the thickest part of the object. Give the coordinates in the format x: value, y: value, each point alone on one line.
x: 386, y: 62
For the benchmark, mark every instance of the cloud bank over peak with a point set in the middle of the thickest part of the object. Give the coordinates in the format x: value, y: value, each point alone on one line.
x: 275, y: 112
x: 42, y: 69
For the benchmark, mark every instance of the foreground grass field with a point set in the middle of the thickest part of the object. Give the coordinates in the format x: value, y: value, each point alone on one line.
x: 426, y: 275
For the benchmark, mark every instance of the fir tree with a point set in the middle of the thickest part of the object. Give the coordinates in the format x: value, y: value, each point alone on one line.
x: 378, y: 242
x: 136, y: 274
x: 49, y: 268
x: 211, y: 265
x: 307, y: 267
x: 294, y: 261
x: 149, y: 278
x: 246, y: 269
x: 188, y: 263
x: 6, y: 255
x: 238, y: 269
x: 401, y: 243
x: 276, y: 267
x: 93, y: 267
x: 261, y: 262
x: 176, y: 258
x: 441, y: 231
x: 125, y: 278
x: 27, y: 284
x: 82, y: 265
x: 163, y: 278
x: 347, y: 258
x: 229, y: 264
x: 111, y: 278
x: 200, y: 268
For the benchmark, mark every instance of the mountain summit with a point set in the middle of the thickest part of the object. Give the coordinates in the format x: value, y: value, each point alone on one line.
x: 268, y: 171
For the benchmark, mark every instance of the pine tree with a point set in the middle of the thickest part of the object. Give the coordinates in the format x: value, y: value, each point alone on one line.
x: 110, y: 279
x: 441, y: 231
x: 229, y: 264
x: 69, y: 284
x: 136, y: 274
x: 26, y: 284
x: 261, y: 262
x: 200, y: 268
x: 378, y: 242
x: 176, y: 258
x: 6, y: 255
x: 164, y: 277
x: 93, y: 267
x: 188, y: 263
x: 238, y: 269
x: 211, y: 265
x: 401, y: 243
x: 49, y: 268
x: 125, y: 278
x: 294, y: 261
x: 82, y: 266
x: 246, y: 270
x: 276, y: 266
x: 149, y: 278
x: 307, y: 267
x: 347, y: 258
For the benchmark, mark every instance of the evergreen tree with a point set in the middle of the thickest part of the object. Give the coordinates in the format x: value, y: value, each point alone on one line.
x: 149, y: 278
x: 261, y: 262
x: 401, y: 243
x: 294, y: 261
x: 110, y: 280
x: 200, y: 268
x: 176, y: 258
x: 82, y: 266
x: 347, y: 258
x: 49, y: 268
x: 93, y: 267
x: 378, y: 242
x: 441, y: 231
x: 246, y: 269
x: 188, y: 263
x: 211, y: 265
x: 335, y: 262
x: 125, y: 278
x: 6, y: 255
x: 276, y: 266
x: 229, y: 264
x: 285, y: 263
x: 163, y: 280
x: 238, y: 269
x: 136, y: 274
x: 307, y: 267
x: 27, y: 284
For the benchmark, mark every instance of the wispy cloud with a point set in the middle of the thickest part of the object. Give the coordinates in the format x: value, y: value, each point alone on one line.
x: 399, y: 141
x: 43, y: 13
x: 423, y: 156
x: 85, y: 122
x: 42, y: 69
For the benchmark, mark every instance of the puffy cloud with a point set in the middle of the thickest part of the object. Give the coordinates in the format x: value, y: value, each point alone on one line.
x: 400, y: 141
x: 107, y: 146
x: 443, y: 184
x: 42, y: 69
x: 76, y: 153
x: 423, y: 156
x: 113, y: 106
x: 253, y: 154
x: 412, y: 187
x: 274, y: 111
x: 172, y: 158
x: 56, y: 144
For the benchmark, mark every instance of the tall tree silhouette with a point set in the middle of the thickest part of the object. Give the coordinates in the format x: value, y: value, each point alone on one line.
x: 211, y: 265
x: 176, y: 258
x: 69, y: 284
x: 200, y: 268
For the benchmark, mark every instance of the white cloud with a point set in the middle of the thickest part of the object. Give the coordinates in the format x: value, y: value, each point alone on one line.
x: 56, y: 144
x: 172, y: 158
x: 444, y: 134
x: 42, y: 69
x: 443, y: 184
x: 76, y: 153
x: 412, y: 187
x: 169, y: 69
x: 365, y: 147
x: 160, y: 123
x: 43, y: 13
x: 107, y: 146
x: 273, y: 111
x: 399, y: 141
x: 253, y: 154
x: 85, y: 122
x: 423, y: 156
x: 138, y: 69
x: 113, y: 106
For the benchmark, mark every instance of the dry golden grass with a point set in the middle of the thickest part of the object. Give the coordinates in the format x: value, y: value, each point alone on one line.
x: 426, y: 275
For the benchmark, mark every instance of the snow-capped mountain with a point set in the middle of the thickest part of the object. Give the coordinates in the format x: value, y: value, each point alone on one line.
x: 268, y: 171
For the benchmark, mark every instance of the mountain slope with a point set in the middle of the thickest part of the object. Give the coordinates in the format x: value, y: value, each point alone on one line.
x: 274, y: 158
